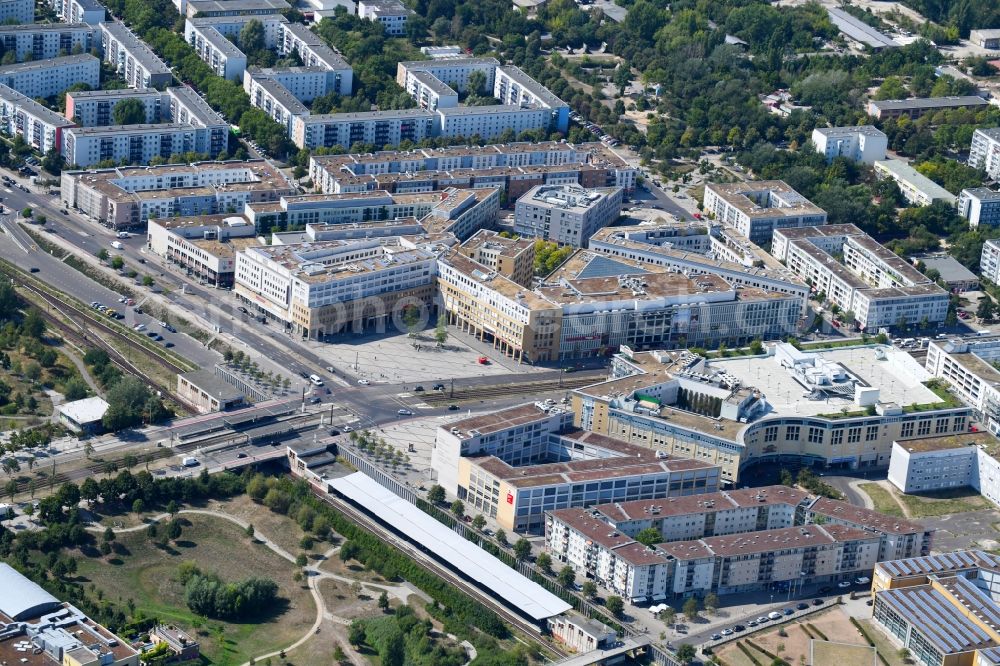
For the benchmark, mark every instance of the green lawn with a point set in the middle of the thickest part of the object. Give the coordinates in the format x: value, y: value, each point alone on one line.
x: 944, y: 502
x: 883, y: 499
x: 147, y: 575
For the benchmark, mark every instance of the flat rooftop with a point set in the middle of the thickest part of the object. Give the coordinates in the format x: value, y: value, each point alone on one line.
x: 488, y: 423
x: 899, y: 378
x: 928, y: 102
x: 736, y: 195
x: 697, y: 504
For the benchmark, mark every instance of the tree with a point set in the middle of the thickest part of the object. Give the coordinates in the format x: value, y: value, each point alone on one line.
x: 986, y: 308
x: 102, y: 254
x: 458, y: 508
x: 26, y: 212
x: 441, y: 330
x: 147, y: 281
x: 53, y: 161
x: 589, y: 589
x: 435, y: 494
x: 711, y: 602
x: 479, y: 522
x: 668, y: 615
x: 300, y: 560
x: 383, y: 601
x: 477, y: 83
x: 117, y: 262
x: 690, y: 608
x: 249, y: 531
x: 174, y: 530
x: 615, y: 605
x: 172, y: 508
x: 649, y: 536
x: 75, y: 389
x: 501, y: 537
x: 252, y: 37
x: 411, y: 319
x: 138, y: 506
x: 566, y: 576
x: 904, y: 655
x: 32, y: 370
x: 522, y: 549
x: 756, y: 347
x: 109, y: 535
x: 130, y: 111
x: 544, y: 562
x: 686, y: 653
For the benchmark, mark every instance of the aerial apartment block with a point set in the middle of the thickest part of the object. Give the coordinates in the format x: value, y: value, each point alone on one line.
x: 17, y: 11
x: 861, y: 143
x: 216, y: 8
x: 984, y: 152
x: 566, y: 214
x: 210, y: 37
x: 757, y: 208
x: 874, y: 283
x: 514, y: 258
x: 966, y: 460
x: 514, y: 168
x: 377, y: 128
x: 390, y: 13
x: 134, y: 61
x: 517, y: 463
x: 460, y: 213
x: 701, y: 247
x: 727, y: 542
x: 90, y: 12
x: 130, y: 144
x: 46, y: 78
x: 40, y: 126
x: 325, y: 287
x: 980, y: 206
x: 786, y: 406
x: 967, y: 365
x: 94, y: 108
x: 919, y: 106
x: 593, y: 304
x: 47, y: 40
x: 126, y: 197
x: 916, y: 188
x: 270, y: 96
x: 314, y: 52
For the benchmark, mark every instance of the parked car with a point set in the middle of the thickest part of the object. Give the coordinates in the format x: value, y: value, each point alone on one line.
x: 844, y: 584
x: 404, y: 412
x: 725, y: 632
x: 452, y: 408
x: 817, y: 602
x: 801, y: 605
x: 364, y: 382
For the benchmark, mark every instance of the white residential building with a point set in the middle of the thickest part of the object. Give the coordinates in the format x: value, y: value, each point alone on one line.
x: 185, y: 106
x: 967, y: 365
x: 917, y: 188
x: 758, y: 208
x: 134, y: 61
x: 47, y: 40
x: 90, y: 12
x: 377, y: 128
x: 430, y: 92
x: 984, y: 152
x: 874, y: 283
x: 390, y: 13
x: 95, y: 108
x: 46, y: 78
x: 270, y: 96
x: 489, y: 122
x: 863, y: 143
x: 17, y: 11
x: 989, y: 262
x: 225, y: 59
x: 216, y: 8
x: 22, y: 116
x: 314, y: 52
x: 566, y: 214
x: 966, y: 460
x: 129, y: 144
x: 980, y: 206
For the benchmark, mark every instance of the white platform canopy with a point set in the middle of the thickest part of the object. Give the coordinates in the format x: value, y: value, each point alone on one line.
x: 517, y: 592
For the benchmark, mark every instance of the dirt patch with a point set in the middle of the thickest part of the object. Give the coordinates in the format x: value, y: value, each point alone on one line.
x: 794, y: 647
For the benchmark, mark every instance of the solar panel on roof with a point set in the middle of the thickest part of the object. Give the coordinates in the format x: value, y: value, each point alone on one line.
x: 601, y: 266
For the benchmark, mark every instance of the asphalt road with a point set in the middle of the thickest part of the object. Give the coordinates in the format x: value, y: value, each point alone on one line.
x: 24, y: 253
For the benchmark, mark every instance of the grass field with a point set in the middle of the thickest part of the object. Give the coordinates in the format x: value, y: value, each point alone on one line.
x: 883, y: 499
x: 944, y: 502
x: 825, y: 652
x: 147, y: 575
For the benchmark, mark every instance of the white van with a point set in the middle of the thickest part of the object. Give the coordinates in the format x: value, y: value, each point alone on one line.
x: 190, y: 461
x: 117, y: 245
x: 315, y: 380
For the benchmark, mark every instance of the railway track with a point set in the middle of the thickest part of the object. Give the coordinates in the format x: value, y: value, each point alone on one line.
x: 502, y: 390
x: 437, y: 568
